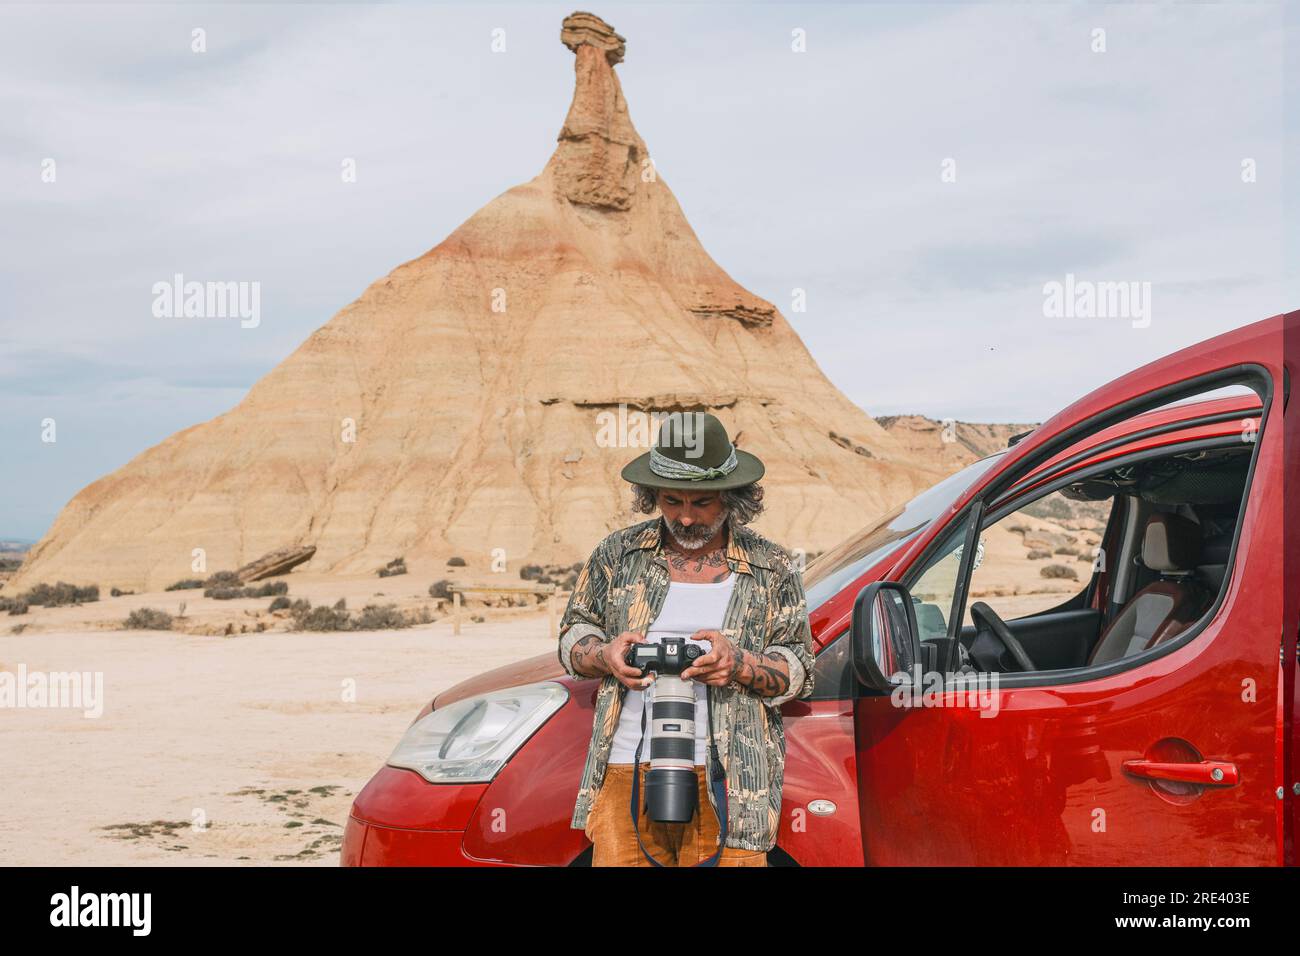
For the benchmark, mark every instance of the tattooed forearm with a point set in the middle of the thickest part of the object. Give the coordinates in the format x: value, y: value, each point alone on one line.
x: 586, y: 658
x: 767, y: 675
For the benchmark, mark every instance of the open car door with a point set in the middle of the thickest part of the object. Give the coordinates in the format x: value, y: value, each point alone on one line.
x: 1163, y: 750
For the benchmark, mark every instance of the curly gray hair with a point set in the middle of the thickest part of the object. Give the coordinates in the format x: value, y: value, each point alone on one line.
x: 742, y: 504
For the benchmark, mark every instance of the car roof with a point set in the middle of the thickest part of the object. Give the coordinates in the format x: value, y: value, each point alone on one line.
x: 1168, y: 425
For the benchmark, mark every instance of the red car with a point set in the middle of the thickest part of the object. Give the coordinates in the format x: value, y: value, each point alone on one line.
x: 1079, y: 650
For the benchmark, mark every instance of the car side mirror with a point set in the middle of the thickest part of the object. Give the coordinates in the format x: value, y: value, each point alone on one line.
x: 885, y: 642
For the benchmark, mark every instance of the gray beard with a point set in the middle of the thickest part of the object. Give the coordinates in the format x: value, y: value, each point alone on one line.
x: 694, y: 537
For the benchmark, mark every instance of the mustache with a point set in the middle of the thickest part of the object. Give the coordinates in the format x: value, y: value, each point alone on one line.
x: 695, y: 535
x: 695, y: 531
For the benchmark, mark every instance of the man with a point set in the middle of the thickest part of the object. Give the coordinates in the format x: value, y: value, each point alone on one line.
x: 696, y: 570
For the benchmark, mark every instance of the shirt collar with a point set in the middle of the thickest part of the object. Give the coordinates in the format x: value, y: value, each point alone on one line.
x: 741, y: 555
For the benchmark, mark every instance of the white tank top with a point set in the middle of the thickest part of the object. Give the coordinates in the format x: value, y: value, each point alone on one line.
x: 687, y: 608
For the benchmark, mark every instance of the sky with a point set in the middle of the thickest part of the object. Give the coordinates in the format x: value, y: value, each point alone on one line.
x: 903, y: 181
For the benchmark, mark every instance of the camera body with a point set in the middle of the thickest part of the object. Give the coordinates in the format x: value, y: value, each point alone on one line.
x: 668, y: 658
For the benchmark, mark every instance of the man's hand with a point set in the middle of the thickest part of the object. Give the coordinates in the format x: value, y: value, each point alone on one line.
x: 719, y: 665
x: 767, y: 675
x: 594, y: 657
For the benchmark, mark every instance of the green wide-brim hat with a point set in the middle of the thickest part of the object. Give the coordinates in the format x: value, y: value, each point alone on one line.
x: 692, y: 451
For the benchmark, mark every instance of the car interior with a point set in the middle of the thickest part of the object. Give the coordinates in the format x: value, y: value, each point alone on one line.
x: 1160, y: 564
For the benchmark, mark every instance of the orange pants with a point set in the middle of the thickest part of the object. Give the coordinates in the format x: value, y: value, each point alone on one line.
x: 609, y: 827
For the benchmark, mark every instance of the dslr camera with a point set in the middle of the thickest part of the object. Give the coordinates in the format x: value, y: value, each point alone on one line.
x: 671, y: 792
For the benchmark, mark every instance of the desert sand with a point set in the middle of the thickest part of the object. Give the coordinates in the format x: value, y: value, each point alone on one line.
x: 221, y: 750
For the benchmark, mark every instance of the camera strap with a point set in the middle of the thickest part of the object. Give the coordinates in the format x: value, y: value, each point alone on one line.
x: 719, y: 792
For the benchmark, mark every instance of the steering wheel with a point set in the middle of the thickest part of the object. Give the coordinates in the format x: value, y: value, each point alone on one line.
x: 981, y: 613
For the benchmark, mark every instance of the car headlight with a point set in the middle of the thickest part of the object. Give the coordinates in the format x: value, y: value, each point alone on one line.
x: 470, y: 740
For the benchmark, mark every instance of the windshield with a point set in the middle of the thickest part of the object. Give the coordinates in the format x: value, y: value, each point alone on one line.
x: 827, y: 574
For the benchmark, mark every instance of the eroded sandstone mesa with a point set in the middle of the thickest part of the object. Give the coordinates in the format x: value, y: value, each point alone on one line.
x: 453, y: 408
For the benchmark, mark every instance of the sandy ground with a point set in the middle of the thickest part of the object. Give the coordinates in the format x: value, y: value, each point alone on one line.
x: 220, y: 749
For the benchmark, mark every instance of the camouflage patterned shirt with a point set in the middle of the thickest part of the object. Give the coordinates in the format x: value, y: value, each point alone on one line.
x: 622, y: 587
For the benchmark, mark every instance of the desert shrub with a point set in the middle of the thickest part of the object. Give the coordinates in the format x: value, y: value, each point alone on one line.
x: 14, y: 606
x: 1059, y: 571
x: 186, y: 585
x: 341, y: 605
x: 300, y: 605
x: 530, y: 571
x: 440, y: 589
x: 372, y: 617
x: 322, y: 619
x: 1067, y: 549
x: 393, y: 567
x: 10, y: 564
x: 222, y: 579
x: 1017, y: 529
x: 1087, y: 557
x: 570, y: 582
x: 376, y: 618
x: 279, y: 604
x: 455, y: 562
x: 148, y: 619
x: 57, y: 595
x: 270, y: 589
x: 1039, y: 555
x: 577, y: 567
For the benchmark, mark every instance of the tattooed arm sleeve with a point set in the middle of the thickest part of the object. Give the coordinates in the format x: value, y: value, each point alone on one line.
x: 583, y: 620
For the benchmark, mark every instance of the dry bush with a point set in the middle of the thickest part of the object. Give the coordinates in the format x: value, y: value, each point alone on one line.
x: 1059, y: 571
x: 148, y: 619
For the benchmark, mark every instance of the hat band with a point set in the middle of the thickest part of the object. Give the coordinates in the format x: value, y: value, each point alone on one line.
x: 666, y: 467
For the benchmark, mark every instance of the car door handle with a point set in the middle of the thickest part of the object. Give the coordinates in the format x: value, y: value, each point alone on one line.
x: 1207, y: 773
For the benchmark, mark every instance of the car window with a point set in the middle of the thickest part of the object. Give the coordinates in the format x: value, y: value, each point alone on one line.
x: 1038, y: 557
x: 1171, y: 567
x: 933, y: 591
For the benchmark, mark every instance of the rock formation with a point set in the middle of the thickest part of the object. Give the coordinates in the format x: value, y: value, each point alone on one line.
x: 453, y: 408
x: 277, y: 562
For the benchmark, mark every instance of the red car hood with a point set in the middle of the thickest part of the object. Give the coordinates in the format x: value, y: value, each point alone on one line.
x: 542, y: 667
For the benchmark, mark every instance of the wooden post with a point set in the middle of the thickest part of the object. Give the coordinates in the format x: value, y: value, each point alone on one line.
x: 455, y: 619
x: 550, y: 616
